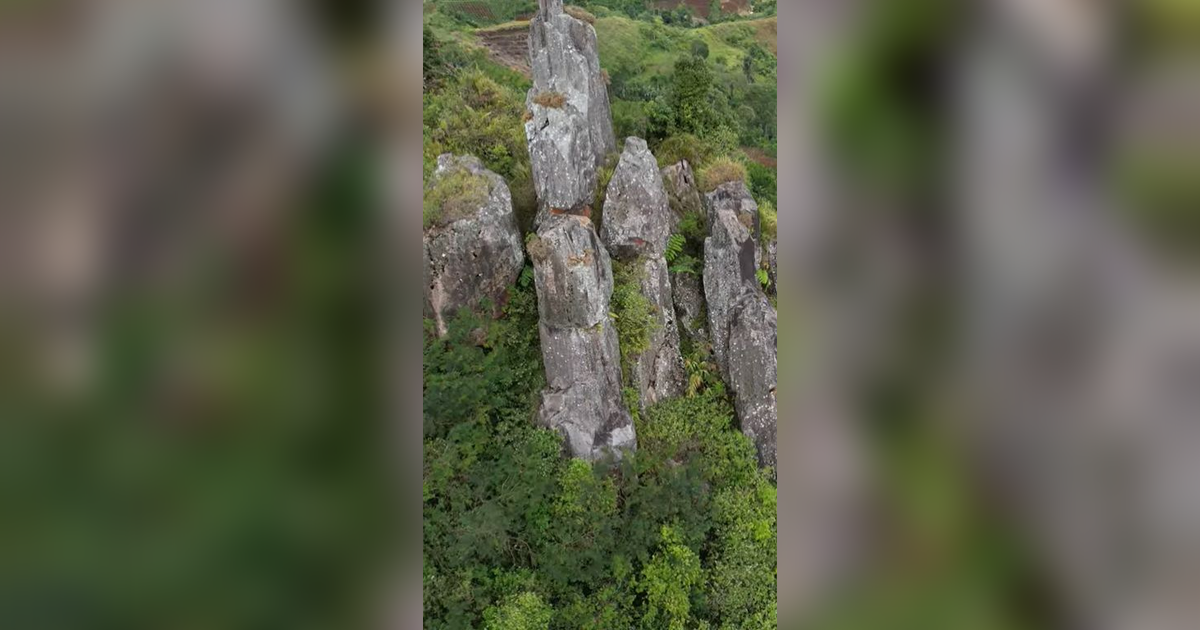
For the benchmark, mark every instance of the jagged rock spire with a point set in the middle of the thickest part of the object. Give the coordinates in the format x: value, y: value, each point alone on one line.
x: 637, y: 224
x: 569, y: 122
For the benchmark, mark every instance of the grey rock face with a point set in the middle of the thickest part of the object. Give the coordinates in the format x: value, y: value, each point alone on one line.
x: 566, y: 60
x: 682, y: 193
x: 572, y: 272
x: 636, y: 228
x: 582, y: 399
x: 637, y: 217
x: 688, y: 297
x: 561, y: 155
x: 570, y: 125
x: 474, y: 257
x: 752, y: 370
x: 731, y: 257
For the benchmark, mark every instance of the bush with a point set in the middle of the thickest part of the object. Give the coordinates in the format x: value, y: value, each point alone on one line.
x: 768, y: 219
x: 763, y: 184
x: 526, y: 611
x: 475, y: 115
x: 721, y: 170
x: 579, y: 14
x: 634, y: 315
x: 684, y: 147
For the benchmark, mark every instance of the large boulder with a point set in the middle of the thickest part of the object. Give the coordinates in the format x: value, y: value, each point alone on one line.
x: 471, y: 243
x: 566, y: 60
x: 752, y: 370
x: 682, y: 192
x: 582, y: 400
x: 636, y: 228
x: 731, y: 258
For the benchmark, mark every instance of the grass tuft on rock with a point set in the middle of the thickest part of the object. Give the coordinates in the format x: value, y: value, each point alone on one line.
x: 456, y: 195
x: 720, y: 171
x: 553, y: 100
x: 579, y: 14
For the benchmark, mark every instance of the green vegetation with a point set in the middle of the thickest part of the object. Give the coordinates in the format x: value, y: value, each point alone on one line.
x: 681, y: 531
x: 768, y: 218
x: 634, y: 318
x: 678, y: 534
x: 720, y: 171
x: 453, y: 196
x: 476, y: 107
x: 579, y: 14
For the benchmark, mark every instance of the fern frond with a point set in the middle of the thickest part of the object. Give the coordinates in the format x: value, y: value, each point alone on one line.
x: 674, y: 247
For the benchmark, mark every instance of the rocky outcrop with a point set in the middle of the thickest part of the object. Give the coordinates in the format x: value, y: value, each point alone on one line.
x: 582, y: 399
x: 636, y: 228
x: 682, y: 193
x: 569, y: 124
x: 474, y: 251
x: 566, y: 60
x: 731, y: 257
x: 741, y: 321
x: 752, y: 370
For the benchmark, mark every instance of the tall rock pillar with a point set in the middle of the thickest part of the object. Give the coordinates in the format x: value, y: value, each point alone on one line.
x: 582, y: 400
x: 569, y: 123
x: 637, y: 224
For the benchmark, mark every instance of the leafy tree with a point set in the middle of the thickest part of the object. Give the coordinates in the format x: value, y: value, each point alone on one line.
x: 667, y: 582
x: 700, y: 49
x: 690, y: 98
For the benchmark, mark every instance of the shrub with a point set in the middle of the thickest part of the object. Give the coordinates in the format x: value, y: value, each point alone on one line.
x: 768, y: 219
x: 455, y: 195
x: 684, y: 147
x: 579, y: 14
x: 721, y: 170
x: 552, y: 100
x: 634, y: 315
x: 475, y: 115
x: 668, y: 581
x: 526, y: 611
x: 763, y: 184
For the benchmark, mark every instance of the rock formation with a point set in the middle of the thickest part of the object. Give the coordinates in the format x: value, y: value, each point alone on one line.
x: 582, y: 400
x: 569, y: 126
x: 473, y: 252
x: 635, y: 230
x: 752, y: 370
x: 684, y: 196
x: 741, y: 320
x: 731, y: 258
